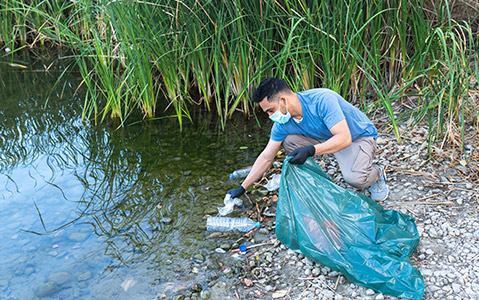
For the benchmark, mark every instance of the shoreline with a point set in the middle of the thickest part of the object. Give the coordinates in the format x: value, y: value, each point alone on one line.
x: 442, y: 197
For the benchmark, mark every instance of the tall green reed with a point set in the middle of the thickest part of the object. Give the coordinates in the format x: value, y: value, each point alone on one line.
x: 160, y: 57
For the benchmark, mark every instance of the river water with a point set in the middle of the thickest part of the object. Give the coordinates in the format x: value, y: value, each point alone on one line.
x: 96, y: 212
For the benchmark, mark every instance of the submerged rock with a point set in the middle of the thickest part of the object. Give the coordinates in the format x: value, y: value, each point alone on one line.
x: 46, y: 289
x: 165, y: 220
x: 60, y: 278
x: 84, y: 276
x: 220, y: 291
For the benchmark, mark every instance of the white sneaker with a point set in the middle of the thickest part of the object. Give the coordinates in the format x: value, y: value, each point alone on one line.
x: 379, y: 190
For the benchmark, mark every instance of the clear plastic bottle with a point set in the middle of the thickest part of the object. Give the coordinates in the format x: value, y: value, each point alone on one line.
x: 230, y: 224
x: 241, y: 173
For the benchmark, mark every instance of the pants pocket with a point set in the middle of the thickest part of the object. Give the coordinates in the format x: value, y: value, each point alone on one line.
x: 364, y: 159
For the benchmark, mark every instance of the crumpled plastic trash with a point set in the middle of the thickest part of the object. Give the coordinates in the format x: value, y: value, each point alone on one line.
x: 273, y: 183
x: 229, y: 205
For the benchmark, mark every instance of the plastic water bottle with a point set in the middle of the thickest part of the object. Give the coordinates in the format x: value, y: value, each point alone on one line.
x: 230, y: 224
x: 241, y: 173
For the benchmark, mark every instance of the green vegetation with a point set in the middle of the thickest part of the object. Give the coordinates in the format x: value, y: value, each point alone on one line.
x: 378, y: 54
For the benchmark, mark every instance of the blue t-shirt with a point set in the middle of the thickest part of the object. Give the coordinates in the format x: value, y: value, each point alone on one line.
x: 322, y: 109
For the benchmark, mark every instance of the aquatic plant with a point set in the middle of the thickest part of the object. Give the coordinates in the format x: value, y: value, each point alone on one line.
x: 160, y: 57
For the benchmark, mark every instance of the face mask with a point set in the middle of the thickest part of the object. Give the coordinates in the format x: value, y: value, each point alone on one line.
x: 279, y: 117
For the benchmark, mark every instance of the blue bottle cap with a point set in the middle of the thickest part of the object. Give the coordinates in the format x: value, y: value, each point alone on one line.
x: 243, y: 247
x: 258, y: 225
x: 232, y: 176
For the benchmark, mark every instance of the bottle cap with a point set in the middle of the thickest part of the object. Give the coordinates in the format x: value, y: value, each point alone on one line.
x: 257, y: 225
x: 232, y: 176
x: 242, y: 248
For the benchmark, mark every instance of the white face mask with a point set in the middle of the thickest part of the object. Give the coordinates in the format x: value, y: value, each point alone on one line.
x: 279, y: 117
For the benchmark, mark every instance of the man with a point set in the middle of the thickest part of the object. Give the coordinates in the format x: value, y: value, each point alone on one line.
x: 315, y: 122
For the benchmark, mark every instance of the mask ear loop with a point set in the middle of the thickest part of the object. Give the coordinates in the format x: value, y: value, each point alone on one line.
x: 285, y: 105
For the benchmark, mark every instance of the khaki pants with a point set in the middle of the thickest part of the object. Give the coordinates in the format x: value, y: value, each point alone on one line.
x: 355, y: 161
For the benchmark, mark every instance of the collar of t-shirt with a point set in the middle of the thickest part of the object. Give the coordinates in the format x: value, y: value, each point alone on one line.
x: 298, y: 121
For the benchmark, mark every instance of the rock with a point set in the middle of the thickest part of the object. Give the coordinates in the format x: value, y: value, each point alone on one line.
x: 29, y: 271
x: 214, y: 235
x: 196, y: 288
x: 84, y: 276
x: 327, y: 294
x: 46, y: 289
x: 268, y: 288
x: 225, y: 246
x: 370, y: 292
x: 220, y: 291
x: 205, y: 294
x: 165, y: 220
x: 333, y: 274
x: 198, y: 257
x: 210, y: 211
x: 60, y: 278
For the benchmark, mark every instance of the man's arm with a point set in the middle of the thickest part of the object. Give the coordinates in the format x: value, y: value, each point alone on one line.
x: 262, y: 163
x: 341, y: 139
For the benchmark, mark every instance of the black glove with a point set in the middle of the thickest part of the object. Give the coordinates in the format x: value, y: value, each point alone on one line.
x: 236, y: 192
x: 301, y: 154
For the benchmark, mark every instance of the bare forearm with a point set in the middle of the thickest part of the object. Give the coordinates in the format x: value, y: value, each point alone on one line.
x: 260, y: 166
x: 334, y: 144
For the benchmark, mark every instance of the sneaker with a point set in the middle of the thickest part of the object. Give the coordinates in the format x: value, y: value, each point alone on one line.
x: 379, y: 190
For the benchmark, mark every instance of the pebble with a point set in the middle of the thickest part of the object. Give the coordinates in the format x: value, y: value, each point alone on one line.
x: 46, y: 289
x: 446, y: 255
x: 165, y: 220
x: 84, y: 276
x: 60, y: 277
x: 370, y: 292
x: 29, y: 271
x: 326, y: 293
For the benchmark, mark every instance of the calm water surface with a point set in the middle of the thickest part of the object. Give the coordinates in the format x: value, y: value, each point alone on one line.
x: 96, y: 213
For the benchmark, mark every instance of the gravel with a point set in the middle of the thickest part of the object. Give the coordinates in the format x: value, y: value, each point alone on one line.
x: 441, y: 194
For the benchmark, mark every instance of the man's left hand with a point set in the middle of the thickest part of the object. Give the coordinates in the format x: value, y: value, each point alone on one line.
x: 301, y: 154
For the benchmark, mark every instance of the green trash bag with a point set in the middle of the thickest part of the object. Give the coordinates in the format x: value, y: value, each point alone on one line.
x: 347, y: 231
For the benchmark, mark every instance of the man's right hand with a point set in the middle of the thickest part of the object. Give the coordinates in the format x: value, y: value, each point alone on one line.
x: 238, y: 192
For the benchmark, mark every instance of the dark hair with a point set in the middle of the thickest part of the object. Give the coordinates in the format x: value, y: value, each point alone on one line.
x: 269, y: 88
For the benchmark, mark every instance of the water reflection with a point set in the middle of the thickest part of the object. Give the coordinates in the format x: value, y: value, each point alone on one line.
x: 78, y: 202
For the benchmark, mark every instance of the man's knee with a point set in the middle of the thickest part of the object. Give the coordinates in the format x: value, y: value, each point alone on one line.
x: 357, y: 179
x: 294, y: 141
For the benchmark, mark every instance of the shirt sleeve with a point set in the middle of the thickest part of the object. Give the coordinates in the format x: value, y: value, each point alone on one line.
x: 329, y: 110
x: 278, y: 133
